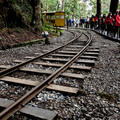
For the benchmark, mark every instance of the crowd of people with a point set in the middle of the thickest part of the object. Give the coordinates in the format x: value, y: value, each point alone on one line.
x: 109, y: 24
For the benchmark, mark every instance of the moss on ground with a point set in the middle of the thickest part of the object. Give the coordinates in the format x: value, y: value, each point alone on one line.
x: 22, y: 44
x: 111, y: 98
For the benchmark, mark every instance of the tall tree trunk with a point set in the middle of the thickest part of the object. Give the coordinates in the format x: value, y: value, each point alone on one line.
x: 114, y: 6
x: 73, y: 16
x: 63, y: 5
x: 46, y: 6
x: 33, y: 4
x: 98, y: 8
x: 38, y: 20
x: 57, y: 6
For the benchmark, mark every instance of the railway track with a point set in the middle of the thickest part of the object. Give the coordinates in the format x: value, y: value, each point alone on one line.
x: 71, y: 55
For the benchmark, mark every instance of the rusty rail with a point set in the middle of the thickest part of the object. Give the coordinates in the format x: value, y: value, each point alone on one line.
x: 17, y: 67
x: 4, y: 115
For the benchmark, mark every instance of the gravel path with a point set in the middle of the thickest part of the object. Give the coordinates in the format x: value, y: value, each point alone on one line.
x: 101, y: 96
x: 7, y: 56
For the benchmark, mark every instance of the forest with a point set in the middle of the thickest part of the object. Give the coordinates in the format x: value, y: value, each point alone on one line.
x: 22, y: 20
x: 27, y: 13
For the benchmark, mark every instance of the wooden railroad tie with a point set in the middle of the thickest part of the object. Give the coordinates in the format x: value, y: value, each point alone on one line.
x: 72, y: 52
x: 89, y: 50
x: 29, y: 110
x: 88, y: 62
x: 57, y: 65
x: 81, y: 57
x: 60, y: 88
x: 71, y: 75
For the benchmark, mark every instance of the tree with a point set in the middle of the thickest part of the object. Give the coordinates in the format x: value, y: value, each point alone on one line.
x: 63, y: 5
x: 33, y: 4
x: 50, y: 5
x: 114, y: 6
x: 98, y: 8
x: 58, y: 4
x: 38, y: 20
x: 105, y: 6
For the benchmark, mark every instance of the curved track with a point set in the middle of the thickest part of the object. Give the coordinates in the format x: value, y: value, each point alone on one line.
x: 32, y: 93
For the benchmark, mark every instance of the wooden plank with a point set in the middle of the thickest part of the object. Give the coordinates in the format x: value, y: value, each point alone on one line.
x: 62, y: 55
x: 5, y: 103
x: 76, y: 46
x: 78, y: 76
x: 90, y: 62
x: 58, y: 65
x: 63, y: 88
x: 73, y: 49
x: 29, y: 110
x: 39, y: 112
x: 91, y: 53
x: 73, y: 52
x: 35, y: 83
x: 89, y: 57
x: 5, y: 66
x: 76, y: 50
x: 79, y: 42
x: 81, y: 57
x: 67, y: 52
x: 93, y: 50
x: 91, y: 47
x: 19, y: 81
x: 29, y: 57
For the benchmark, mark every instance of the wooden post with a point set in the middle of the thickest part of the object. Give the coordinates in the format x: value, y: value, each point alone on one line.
x: 56, y: 29
x: 0, y: 41
x: 46, y: 40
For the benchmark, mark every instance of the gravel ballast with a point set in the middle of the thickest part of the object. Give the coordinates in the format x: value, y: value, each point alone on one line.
x: 101, y: 92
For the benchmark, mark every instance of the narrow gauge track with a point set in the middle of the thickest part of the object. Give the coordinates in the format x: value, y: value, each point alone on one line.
x: 27, y: 97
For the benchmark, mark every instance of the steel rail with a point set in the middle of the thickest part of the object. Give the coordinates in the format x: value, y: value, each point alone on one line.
x: 17, y: 67
x: 4, y: 115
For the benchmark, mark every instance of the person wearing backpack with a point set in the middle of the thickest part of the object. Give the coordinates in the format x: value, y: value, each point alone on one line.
x: 96, y: 21
x: 109, y: 22
x: 92, y: 20
x: 117, y: 24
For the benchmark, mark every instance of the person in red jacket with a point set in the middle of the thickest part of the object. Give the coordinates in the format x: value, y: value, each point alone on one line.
x: 96, y: 21
x: 117, y: 24
x: 109, y: 22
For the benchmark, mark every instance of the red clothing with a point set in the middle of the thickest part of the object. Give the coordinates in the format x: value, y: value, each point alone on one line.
x: 114, y: 17
x: 109, y: 21
x: 96, y: 19
x: 117, y: 20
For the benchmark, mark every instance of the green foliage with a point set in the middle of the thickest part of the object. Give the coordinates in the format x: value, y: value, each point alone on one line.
x: 73, y: 8
x: 21, y: 9
x: 82, y: 7
x: 47, y: 27
x: 21, y: 44
x: 107, y: 96
x: 49, y: 5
